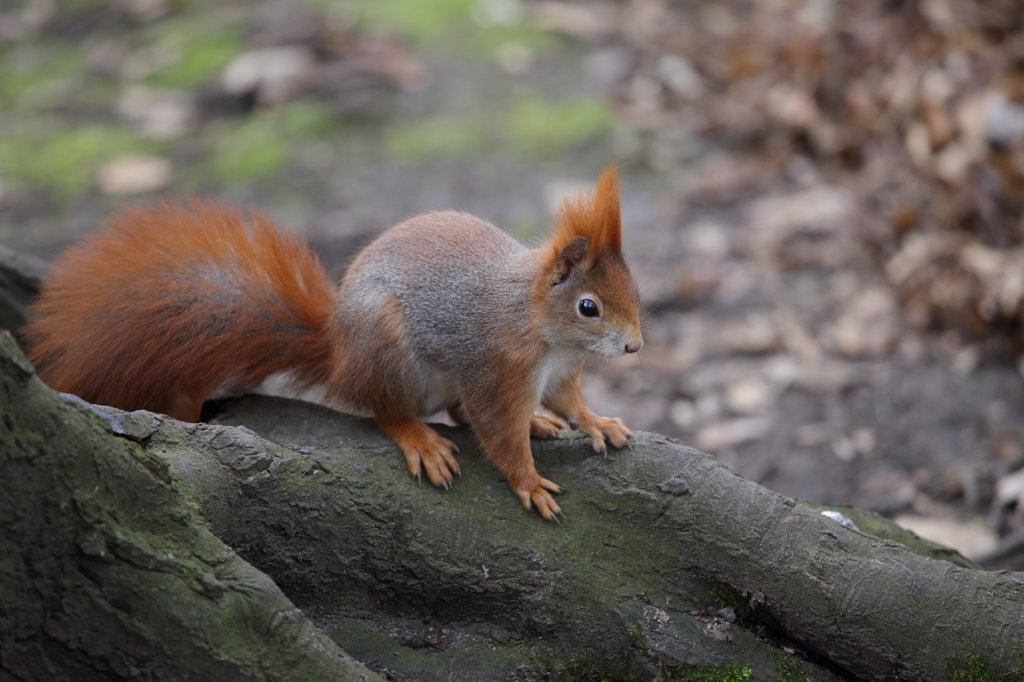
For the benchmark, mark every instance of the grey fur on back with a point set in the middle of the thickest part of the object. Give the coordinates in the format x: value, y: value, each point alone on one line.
x: 462, y: 286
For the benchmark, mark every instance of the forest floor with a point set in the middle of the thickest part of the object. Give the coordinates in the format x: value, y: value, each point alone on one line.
x: 774, y: 338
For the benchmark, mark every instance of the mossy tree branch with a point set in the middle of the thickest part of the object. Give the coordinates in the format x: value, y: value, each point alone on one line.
x: 652, y: 535
x: 107, y: 572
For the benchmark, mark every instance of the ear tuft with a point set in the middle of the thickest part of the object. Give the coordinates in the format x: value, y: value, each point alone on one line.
x: 595, y: 215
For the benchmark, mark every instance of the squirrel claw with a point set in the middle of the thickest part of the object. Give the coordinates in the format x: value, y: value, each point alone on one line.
x: 546, y: 505
x: 427, y: 452
x: 550, y: 486
x: 599, y: 427
x: 545, y: 426
x: 540, y: 499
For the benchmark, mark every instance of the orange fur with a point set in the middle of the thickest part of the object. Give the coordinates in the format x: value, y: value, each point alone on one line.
x: 171, y: 302
x: 423, y: 448
x: 567, y: 402
x: 595, y: 215
x: 501, y: 413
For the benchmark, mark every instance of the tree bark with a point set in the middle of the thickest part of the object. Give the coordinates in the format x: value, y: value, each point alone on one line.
x: 20, y: 277
x: 652, y: 535
x: 108, y: 573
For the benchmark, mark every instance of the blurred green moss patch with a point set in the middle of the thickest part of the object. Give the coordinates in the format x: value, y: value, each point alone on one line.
x: 423, y: 21
x: 83, y: 5
x: 62, y: 160
x: 545, y: 128
x: 24, y: 68
x: 532, y: 127
x: 264, y: 143
x: 454, y: 26
x: 200, y: 46
x: 421, y: 140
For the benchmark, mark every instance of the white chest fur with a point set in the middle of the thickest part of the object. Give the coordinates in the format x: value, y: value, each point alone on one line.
x: 558, y: 363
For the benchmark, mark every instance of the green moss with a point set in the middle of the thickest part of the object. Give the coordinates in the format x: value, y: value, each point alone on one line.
x: 245, y: 154
x: 636, y: 637
x: 979, y: 668
x: 491, y: 39
x: 307, y: 118
x: 533, y: 127
x: 198, y: 64
x: 27, y: 67
x: 547, y: 128
x: 419, y: 141
x: 469, y: 661
x: 717, y: 673
x: 790, y: 669
x: 582, y: 669
x: 421, y: 20
x: 62, y: 160
x: 454, y: 27
x: 726, y: 595
x: 202, y: 46
x: 265, y: 143
x: 79, y: 5
x: 879, y: 526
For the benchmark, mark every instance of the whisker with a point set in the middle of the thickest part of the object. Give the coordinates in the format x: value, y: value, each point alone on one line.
x: 567, y: 356
x: 656, y: 306
x: 571, y: 355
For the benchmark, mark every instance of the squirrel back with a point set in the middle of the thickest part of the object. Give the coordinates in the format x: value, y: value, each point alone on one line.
x: 170, y: 304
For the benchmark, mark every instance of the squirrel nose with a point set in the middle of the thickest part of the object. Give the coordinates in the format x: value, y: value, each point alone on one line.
x: 634, y: 347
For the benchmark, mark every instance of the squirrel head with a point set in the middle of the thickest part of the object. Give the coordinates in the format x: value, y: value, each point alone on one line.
x: 587, y: 297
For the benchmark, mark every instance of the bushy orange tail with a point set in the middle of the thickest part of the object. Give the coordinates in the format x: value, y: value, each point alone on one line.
x: 172, y: 302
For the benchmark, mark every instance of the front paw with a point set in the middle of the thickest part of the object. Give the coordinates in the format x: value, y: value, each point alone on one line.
x: 545, y: 426
x: 539, y: 496
x: 612, y: 427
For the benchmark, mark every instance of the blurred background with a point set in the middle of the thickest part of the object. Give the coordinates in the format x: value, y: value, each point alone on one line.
x: 823, y: 200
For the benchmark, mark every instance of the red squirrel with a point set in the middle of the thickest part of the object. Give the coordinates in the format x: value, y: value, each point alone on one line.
x: 179, y: 302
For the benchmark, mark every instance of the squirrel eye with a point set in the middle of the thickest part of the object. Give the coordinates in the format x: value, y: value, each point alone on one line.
x: 588, y: 308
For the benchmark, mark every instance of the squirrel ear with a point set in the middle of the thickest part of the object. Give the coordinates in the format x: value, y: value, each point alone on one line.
x: 569, y: 258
